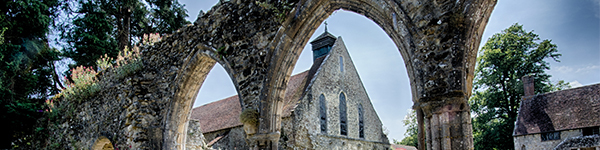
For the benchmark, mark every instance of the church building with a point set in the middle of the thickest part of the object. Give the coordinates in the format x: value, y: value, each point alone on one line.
x: 325, y: 107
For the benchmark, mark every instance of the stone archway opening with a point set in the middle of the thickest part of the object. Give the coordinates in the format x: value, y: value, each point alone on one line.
x: 215, y: 112
x: 378, y: 63
x: 258, y: 45
x: 197, y: 66
x: 438, y: 43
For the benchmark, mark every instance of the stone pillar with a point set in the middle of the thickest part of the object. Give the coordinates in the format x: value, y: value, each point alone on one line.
x: 447, y: 124
x: 268, y: 141
x: 420, y: 127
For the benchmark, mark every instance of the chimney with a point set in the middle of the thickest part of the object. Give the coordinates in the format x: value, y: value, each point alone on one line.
x: 528, y: 86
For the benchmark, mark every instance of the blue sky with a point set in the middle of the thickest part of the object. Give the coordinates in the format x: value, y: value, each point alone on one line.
x: 573, y: 25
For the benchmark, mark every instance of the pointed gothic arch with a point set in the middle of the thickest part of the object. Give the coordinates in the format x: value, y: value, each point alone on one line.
x: 259, y: 45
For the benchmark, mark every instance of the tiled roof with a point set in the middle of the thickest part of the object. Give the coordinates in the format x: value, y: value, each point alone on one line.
x: 225, y: 113
x: 293, y: 92
x: 218, y: 115
x: 561, y: 110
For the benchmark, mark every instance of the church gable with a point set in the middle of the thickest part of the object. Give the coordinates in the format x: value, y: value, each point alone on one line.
x: 337, y: 80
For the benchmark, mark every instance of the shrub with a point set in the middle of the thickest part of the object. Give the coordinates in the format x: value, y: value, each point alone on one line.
x: 150, y: 39
x: 84, y: 83
x: 104, y: 62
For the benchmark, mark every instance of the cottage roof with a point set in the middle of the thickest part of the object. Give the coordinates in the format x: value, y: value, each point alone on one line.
x: 561, y: 110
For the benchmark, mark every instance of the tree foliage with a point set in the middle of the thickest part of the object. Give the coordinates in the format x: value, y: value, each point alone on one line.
x: 106, y: 27
x: 505, y: 58
x: 91, y: 28
x: 412, y: 132
x: 27, y: 75
x: 92, y: 34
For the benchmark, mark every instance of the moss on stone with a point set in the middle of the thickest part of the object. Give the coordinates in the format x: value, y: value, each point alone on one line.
x: 250, y: 116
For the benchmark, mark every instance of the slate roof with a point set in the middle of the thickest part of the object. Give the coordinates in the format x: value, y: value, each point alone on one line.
x: 561, y: 110
x: 323, y: 35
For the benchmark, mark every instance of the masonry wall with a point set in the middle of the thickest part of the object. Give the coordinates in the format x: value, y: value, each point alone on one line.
x: 195, y: 139
x: 302, y: 130
x: 534, y: 141
x: 149, y: 110
x: 234, y: 140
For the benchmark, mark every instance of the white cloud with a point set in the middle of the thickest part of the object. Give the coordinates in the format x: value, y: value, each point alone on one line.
x: 587, y: 69
x: 563, y: 69
x: 569, y: 69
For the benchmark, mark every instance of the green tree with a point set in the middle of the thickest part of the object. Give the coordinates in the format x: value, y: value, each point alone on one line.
x: 105, y: 27
x: 27, y: 76
x: 92, y: 35
x: 412, y: 132
x: 505, y: 58
x: 167, y: 16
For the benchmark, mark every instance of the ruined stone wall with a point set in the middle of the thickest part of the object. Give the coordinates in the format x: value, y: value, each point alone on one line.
x: 234, y: 140
x: 258, y: 44
x: 126, y: 112
x: 195, y: 139
x: 534, y: 141
x: 209, y: 136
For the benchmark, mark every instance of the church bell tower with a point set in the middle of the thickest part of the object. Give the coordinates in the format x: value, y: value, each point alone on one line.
x: 322, y: 44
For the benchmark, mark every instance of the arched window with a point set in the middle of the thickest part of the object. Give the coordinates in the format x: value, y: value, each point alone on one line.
x: 343, y: 115
x: 361, y: 125
x: 323, y: 113
x: 341, y: 64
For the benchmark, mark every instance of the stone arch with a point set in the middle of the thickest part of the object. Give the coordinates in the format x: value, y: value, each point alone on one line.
x: 103, y: 143
x: 258, y: 46
x: 438, y: 41
x: 194, y: 68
